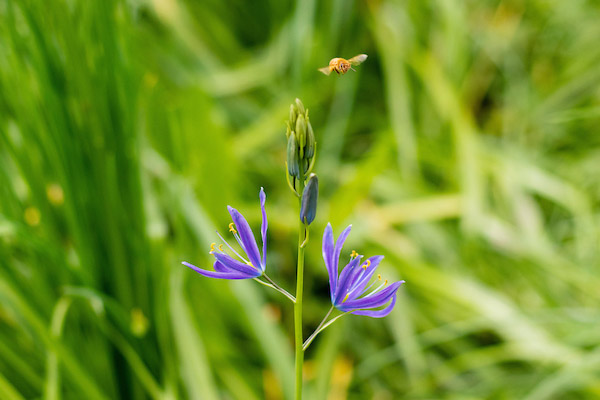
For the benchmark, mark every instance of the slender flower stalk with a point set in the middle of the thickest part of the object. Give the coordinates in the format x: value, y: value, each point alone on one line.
x: 317, y: 330
x: 301, y: 150
x: 322, y: 326
x: 302, y: 233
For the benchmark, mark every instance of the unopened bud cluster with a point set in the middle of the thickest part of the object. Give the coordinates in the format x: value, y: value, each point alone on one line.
x: 301, y: 146
x: 301, y: 152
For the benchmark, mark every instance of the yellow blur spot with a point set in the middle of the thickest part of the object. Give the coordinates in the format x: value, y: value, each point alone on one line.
x: 346, y: 298
x: 150, y: 80
x: 309, y: 370
x: 139, y: 322
x: 341, y: 376
x: 32, y: 216
x: 231, y: 228
x: 272, y: 388
x: 55, y: 194
x: 272, y: 312
x: 385, y: 283
x: 378, y: 276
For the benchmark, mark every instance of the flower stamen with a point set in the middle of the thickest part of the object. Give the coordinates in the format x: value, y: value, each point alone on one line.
x: 379, y: 288
x: 231, y: 248
x: 221, y: 247
x: 346, y: 298
x: 232, y: 229
x: 353, y: 254
x: 367, y: 265
x: 212, y: 248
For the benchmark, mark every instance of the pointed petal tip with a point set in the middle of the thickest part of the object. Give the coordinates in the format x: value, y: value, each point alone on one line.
x: 262, y: 196
x: 189, y: 265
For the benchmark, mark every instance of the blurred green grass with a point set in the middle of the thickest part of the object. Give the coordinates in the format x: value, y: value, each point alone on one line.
x: 464, y: 150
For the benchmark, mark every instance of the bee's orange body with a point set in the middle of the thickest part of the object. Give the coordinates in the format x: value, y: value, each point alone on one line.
x: 341, y: 65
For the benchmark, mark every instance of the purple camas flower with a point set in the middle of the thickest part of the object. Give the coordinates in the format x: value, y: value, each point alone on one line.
x: 349, y: 289
x: 251, y: 266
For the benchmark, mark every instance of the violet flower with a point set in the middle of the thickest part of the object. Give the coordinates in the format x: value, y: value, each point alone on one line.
x: 349, y: 289
x: 250, y: 267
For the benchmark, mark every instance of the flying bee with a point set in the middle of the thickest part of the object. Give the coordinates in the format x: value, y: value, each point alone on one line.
x: 341, y: 65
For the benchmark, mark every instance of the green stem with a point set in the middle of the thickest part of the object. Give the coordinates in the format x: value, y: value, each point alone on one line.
x: 275, y: 286
x: 311, y: 337
x: 298, y: 305
x: 322, y: 327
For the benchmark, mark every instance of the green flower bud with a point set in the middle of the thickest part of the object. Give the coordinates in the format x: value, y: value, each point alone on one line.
x: 301, y: 109
x: 292, y: 156
x: 293, y: 114
x: 301, y: 133
x: 308, y: 210
x: 310, y: 141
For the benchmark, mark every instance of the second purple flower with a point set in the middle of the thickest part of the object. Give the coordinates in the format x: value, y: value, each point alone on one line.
x: 349, y: 289
x: 249, y: 267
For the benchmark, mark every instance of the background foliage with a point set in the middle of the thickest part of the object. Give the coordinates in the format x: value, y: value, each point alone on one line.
x: 465, y: 149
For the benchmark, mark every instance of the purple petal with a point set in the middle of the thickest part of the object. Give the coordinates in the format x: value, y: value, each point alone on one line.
x: 376, y: 300
x: 220, y: 267
x: 246, y: 236
x: 377, y: 313
x: 343, y: 282
x: 263, y: 227
x: 330, y: 263
x: 234, y: 265
x: 219, y: 275
x: 340, y: 243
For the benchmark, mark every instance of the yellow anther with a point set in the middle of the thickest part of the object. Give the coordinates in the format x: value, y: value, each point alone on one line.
x: 379, y: 276
x: 231, y: 228
x: 385, y: 283
x: 212, y: 247
x: 367, y: 265
x: 346, y: 298
x: 353, y: 254
x: 221, y: 247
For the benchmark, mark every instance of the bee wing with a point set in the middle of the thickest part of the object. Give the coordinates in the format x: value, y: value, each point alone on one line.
x: 325, y: 70
x: 356, y: 60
